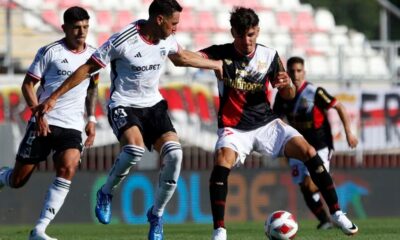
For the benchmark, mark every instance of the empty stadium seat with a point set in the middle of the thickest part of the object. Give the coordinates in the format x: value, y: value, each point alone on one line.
x: 304, y: 21
x: 324, y: 19
x: 317, y: 65
x: 285, y: 19
x: 104, y: 20
x: 268, y: 21
x: 206, y: 21
x: 121, y: 19
x: 377, y: 66
x: 355, y: 66
x: 51, y: 17
x: 190, y: 21
x: 223, y: 20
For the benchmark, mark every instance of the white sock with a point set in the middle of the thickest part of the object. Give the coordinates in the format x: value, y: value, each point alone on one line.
x: 129, y: 156
x: 5, y: 177
x: 54, y: 200
x: 171, y: 154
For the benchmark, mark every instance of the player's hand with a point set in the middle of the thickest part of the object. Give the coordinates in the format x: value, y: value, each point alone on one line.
x: 45, y: 107
x: 351, y: 140
x: 42, y: 127
x: 219, y: 72
x: 90, y: 130
x: 283, y: 81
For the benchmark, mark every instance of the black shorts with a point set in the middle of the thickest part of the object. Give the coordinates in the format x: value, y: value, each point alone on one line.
x: 34, y: 149
x: 152, y: 122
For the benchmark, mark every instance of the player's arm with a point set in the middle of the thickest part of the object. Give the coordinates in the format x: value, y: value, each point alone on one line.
x: 351, y: 139
x: 185, y: 58
x: 82, y: 73
x: 282, y: 81
x: 28, y: 91
x: 90, y: 103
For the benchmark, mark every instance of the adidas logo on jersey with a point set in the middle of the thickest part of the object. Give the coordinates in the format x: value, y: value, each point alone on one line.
x: 64, y: 61
x: 138, y: 55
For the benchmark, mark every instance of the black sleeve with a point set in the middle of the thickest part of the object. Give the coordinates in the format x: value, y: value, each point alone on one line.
x: 277, y: 108
x: 213, y: 52
x: 276, y: 67
x: 323, y: 99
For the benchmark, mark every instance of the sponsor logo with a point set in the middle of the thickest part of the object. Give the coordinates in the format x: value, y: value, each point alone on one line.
x: 64, y: 61
x: 146, y: 68
x: 64, y: 72
x: 138, y: 55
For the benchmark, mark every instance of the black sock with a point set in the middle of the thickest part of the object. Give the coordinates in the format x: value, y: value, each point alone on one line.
x: 316, y: 207
x: 218, y: 192
x: 323, y: 180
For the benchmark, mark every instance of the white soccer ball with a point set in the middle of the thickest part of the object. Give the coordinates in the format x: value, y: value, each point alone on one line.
x: 281, y: 225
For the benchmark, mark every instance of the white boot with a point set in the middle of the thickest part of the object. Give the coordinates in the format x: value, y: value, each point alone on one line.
x: 341, y: 220
x: 34, y: 235
x: 219, y: 234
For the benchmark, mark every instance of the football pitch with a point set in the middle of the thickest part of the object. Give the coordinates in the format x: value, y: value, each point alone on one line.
x: 371, y: 229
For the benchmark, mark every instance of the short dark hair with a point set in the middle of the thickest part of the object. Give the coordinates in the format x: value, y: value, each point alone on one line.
x: 243, y: 19
x: 74, y: 14
x: 164, y: 7
x: 294, y: 60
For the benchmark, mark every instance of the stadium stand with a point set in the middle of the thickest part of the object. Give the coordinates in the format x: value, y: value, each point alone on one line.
x: 331, y: 51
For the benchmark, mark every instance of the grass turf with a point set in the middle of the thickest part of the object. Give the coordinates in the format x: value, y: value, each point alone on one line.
x: 371, y: 229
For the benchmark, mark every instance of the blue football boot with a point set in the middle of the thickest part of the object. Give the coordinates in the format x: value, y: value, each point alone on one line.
x: 103, y: 207
x: 156, y: 226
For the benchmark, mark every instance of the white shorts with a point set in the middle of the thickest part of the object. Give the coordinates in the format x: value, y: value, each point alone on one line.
x: 268, y: 140
x: 299, y: 170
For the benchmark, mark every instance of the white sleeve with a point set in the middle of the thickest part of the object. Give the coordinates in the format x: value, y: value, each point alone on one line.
x: 174, y: 45
x: 38, y: 66
x: 105, y: 53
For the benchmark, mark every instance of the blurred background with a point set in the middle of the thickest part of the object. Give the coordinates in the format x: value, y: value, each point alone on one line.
x: 351, y: 48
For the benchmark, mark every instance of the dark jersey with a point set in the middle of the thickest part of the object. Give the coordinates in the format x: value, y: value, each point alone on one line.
x: 307, y: 113
x: 243, y: 91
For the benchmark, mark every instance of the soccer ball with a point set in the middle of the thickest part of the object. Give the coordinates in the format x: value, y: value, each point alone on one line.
x: 281, y: 225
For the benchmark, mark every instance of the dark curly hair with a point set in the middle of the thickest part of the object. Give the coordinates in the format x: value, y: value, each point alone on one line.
x: 164, y: 7
x: 243, y: 19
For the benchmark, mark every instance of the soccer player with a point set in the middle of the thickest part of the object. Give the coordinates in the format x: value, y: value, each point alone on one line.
x: 58, y: 131
x: 307, y: 112
x: 137, y: 112
x: 246, y: 121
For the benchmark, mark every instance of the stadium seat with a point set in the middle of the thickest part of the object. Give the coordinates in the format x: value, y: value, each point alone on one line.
x: 289, y: 4
x: 63, y: 4
x: 51, y: 17
x: 201, y: 40
x: 222, y: 37
x: 203, y: 108
x: 355, y: 66
x: 300, y: 40
x: 281, y: 40
x: 190, y: 21
x: 269, y: 4
x: 320, y: 41
x: 285, y: 20
x: 104, y: 21
x: 268, y: 21
x: 223, y: 20
x: 184, y: 39
x: 206, y: 21
x: 317, y: 65
x: 304, y: 21
x: 32, y: 4
x: 121, y: 19
x: 378, y: 67
x: 324, y: 20
x: 102, y: 37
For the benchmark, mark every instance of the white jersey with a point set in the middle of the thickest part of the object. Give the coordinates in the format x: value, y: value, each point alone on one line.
x: 136, y: 66
x: 52, y: 66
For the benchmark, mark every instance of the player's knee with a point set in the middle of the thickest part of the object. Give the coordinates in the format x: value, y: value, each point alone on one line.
x: 16, y: 182
x: 133, y: 153
x: 67, y: 172
x: 171, y: 154
x: 310, y: 152
x: 225, y: 158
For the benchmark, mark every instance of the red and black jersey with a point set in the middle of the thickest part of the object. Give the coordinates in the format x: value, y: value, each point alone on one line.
x: 243, y: 91
x: 307, y: 113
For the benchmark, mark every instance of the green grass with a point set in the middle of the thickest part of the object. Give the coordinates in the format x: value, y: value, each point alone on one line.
x: 371, y: 229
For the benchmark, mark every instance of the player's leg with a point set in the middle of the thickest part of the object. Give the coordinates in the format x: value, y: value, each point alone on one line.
x: 309, y: 190
x: 66, y: 164
x: 314, y: 203
x: 232, y: 147
x: 67, y: 154
x: 218, y: 188
x: 28, y: 155
x: 162, y: 135
x: 125, y: 125
x: 297, y: 147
